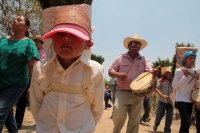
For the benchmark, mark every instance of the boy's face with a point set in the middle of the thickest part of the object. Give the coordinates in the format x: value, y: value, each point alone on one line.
x: 68, y: 46
x: 169, y: 75
x: 190, y: 60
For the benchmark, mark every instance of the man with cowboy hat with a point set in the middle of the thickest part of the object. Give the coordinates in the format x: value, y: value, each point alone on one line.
x: 39, y: 42
x: 125, y: 100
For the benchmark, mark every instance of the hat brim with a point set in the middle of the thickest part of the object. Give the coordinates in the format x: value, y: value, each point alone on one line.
x: 38, y: 38
x: 71, y: 30
x: 166, y: 69
x: 127, y: 40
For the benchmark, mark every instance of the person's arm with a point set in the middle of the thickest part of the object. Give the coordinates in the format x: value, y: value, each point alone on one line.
x: 113, y: 72
x: 160, y: 94
x: 30, y: 66
x: 148, y: 68
x: 179, y: 79
x: 197, y: 81
x: 36, y: 94
x: 97, y: 105
x: 30, y: 71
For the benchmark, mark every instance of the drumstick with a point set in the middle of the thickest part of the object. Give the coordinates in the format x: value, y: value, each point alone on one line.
x: 192, y: 78
x: 148, y: 73
x: 191, y: 74
x: 131, y: 66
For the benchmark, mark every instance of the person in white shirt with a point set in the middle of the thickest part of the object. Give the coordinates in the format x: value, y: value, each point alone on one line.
x: 184, y: 83
x: 66, y: 94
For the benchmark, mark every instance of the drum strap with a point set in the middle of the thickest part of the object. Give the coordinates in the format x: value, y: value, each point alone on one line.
x: 69, y: 88
x: 142, y: 61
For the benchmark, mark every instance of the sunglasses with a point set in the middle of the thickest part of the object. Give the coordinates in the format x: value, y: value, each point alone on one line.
x: 135, y: 44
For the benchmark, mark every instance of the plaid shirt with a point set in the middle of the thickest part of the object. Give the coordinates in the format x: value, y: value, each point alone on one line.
x: 165, y: 88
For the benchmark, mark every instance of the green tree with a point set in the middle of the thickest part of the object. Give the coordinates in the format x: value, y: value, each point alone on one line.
x: 50, y: 3
x: 97, y: 58
x: 12, y: 8
x: 109, y: 82
x: 161, y: 63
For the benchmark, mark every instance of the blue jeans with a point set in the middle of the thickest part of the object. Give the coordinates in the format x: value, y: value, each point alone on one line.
x: 197, y: 120
x: 185, y: 110
x: 146, y: 105
x: 8, y: 97
x: 169, y: 115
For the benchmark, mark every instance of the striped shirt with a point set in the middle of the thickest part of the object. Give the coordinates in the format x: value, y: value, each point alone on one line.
x: 14, y: 57
x: 165, y: 88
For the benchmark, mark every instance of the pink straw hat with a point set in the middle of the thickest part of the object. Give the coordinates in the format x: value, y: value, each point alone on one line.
x: 71, y: 20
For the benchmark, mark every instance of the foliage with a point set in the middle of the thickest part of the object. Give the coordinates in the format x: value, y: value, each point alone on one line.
x: 109, y: 82
x: 97, y: 58
x: 174, y: 57
x: 161, y: 63
x: 50, y: 3
x: 9, y: 9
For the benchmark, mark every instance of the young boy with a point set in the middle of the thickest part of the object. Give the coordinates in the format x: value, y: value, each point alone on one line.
x: 184, y: 83
x: 67, y: 90
x: 39, y: 42
x: 164, y: 89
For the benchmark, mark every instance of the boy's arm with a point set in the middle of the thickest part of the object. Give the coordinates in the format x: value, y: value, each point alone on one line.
x: 36, y: 95
x: 97, y: 105
x: 179, y: 79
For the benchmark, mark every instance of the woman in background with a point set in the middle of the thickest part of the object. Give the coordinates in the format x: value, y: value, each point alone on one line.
x: 18, y: 54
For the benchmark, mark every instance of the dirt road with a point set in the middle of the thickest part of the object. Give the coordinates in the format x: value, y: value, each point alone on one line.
x: 105, y: 125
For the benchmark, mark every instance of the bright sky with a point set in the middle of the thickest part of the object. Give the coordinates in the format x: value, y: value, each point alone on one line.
x: 162, y: 23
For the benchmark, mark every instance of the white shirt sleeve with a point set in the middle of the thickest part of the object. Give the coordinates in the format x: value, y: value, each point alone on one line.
x: 179, y: 79
x: 36, y: 94
x: 97, y: 105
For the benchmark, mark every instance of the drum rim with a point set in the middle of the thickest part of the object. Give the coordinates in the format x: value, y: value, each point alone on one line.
x: 193, y: 92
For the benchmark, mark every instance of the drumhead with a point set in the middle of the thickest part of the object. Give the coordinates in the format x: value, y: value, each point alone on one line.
x: 195, y: 95
x: 142, y: 81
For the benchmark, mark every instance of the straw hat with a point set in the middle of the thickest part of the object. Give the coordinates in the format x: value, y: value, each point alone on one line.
x: 38, y: 37
x: 127, y: 40
x: 166, y: 69
x: 71, y: 20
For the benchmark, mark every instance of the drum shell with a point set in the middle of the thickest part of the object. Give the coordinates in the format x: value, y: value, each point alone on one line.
x: 195, y: 97
x: 143, y: 84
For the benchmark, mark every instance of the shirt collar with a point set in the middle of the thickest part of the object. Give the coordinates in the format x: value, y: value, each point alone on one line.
x: 83, y: 58
x: 126, y: 55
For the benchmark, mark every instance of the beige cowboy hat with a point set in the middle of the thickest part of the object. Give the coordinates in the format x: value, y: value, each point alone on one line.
x: 127, y: 40
x: 38, y: 37
x: 166, y: 69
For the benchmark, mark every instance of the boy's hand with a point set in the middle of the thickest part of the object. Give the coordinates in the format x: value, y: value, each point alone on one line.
x: 155, y: 72
x: 197, y: 105
x: 197, y: 73
x: 186, y: 72
x: 166, y: 97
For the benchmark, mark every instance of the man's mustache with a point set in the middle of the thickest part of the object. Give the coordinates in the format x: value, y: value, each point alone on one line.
x: 135, y: 49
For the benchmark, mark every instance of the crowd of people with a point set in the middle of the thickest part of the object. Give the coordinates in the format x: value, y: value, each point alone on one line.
x: 66, y: 92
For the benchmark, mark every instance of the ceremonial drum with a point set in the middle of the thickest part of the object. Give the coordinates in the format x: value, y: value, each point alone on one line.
x: 195, y: 96
x: 143, y: 84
